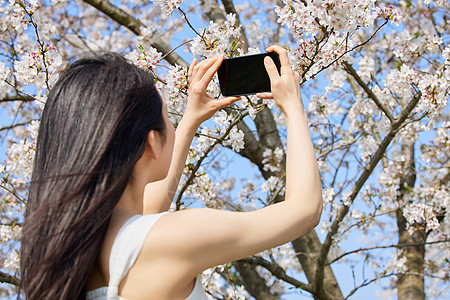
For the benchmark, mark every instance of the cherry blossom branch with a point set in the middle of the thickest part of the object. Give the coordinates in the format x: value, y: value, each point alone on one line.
x: 386, y: 246
x: 127, y: 20
x: 277, y: 271
x: 6, y: 278
x: 230, y: 9
x: 319, y: 46
x: 38, y: 39
x: 368, y: 169
x: 14, y: 193
x: 205, y: 154
x: 340, y: 56
x: 349, y: 68
x: 355, y: 47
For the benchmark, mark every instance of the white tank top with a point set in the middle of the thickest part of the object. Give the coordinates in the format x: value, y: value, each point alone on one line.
x: 124, y: 252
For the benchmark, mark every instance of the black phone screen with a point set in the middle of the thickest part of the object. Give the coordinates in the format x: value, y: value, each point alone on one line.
x: 245, y: 75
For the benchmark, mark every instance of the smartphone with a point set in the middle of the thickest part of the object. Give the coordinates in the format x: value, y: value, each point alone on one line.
x: 245, y: 75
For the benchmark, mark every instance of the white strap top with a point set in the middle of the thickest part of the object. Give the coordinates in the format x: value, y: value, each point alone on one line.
x: 124, y: 252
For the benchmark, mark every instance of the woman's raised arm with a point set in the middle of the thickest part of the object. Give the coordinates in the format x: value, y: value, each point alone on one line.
x: 200, y: 107
x: 196, y: 239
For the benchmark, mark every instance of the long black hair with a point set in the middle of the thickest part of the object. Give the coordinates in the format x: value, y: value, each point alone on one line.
x: 93, y: 130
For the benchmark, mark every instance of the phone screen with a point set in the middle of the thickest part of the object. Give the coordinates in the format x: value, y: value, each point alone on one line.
x: 245, y: 75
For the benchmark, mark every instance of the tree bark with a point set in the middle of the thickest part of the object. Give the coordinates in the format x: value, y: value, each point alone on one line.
x: 307, y: 248
x: 411, y: 285
x: 253, y: 282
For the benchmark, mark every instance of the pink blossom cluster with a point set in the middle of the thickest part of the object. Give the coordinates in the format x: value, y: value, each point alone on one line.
x: 168, y: 6
x: 39, y: 68
x: 146, y: 58
x: 272, y: 160
x: 216, y: 39
x: 420, y: 216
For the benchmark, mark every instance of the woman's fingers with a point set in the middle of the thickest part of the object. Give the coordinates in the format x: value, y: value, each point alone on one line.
x: 199, y: 70
x: 283, y: 55
x: 271, y: 69
x: 265, y: 95
x: 208, y: 75
x: 221, y: 103
x: 191, y: 73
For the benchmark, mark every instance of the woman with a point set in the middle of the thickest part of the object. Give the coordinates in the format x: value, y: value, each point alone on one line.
x: 107, y: 166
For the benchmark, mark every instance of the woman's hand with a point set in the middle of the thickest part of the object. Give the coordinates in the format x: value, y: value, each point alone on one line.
x: 201, y: 106
x: 285, y: 87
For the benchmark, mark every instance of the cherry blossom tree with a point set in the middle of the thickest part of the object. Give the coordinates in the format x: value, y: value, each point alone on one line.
x: 375, y: 80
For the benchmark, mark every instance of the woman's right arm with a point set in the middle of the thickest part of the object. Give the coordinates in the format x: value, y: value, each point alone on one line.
x: 300, y: 151
x: 202, y: 238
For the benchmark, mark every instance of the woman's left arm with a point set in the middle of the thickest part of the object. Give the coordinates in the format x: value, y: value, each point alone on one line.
x: 200, y: 107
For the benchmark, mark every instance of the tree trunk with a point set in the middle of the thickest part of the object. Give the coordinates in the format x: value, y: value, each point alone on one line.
x: 411, y: 284
x: 307, y: 248
x: 253, y: 282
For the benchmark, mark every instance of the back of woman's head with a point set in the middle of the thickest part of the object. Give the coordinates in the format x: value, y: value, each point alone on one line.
x: 93, y: 130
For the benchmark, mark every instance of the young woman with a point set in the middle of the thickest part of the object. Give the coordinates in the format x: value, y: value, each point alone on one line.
x: 107, y: 167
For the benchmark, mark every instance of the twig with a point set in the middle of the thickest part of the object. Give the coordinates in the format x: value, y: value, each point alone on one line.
x: 168, y: 53
x: 386, y: 246
x: 16, y: 125
x: 367, y: 282
x: 368, y: 91
x: 192, y: 27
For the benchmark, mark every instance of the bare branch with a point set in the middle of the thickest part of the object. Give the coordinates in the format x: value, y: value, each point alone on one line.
x: 357, y: 187
x: 368, y: 91
x: 277, y: 271
x: 15, y: 125
x: 367, y: 282
x: 6, y: 278
x: 386, y: 246
x: 24, y: 98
